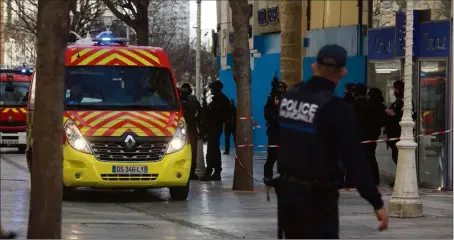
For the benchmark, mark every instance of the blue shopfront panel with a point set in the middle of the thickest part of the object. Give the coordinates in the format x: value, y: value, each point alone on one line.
x: 381, y: 44
x: 356, y: 67
x: 265, y: 68
x: 435, y: 39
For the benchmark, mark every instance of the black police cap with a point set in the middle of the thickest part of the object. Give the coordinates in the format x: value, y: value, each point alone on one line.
x: 360, y: 89
x: 332, y: 55
x: 216, y: 85
x: 187, y: 86
x: 399, y: 84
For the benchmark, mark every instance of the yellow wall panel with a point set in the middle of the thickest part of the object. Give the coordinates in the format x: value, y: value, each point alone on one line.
x: 349, y: 13
x: 332, y: 13
x: 317, y: 14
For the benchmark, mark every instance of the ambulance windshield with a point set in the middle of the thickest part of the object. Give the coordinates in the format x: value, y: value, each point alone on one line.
x: 14, y: 93
x: 119, y: 88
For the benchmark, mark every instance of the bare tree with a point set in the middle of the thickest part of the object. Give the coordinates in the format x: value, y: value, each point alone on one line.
x: 85, y: 13
x: 47, y: 169
x: 135, y: 14
x: 242, y: 178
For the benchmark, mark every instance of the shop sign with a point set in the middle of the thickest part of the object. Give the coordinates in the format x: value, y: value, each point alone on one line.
x: 381, y: 43
x: 435, y: 39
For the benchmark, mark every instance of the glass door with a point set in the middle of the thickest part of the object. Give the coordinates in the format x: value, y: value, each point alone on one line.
x: 433, y: 160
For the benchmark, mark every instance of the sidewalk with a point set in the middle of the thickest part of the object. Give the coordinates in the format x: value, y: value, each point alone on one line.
x: 213, y: 211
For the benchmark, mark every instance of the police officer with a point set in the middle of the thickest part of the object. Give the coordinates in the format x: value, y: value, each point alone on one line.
x: 317, y: 129
x: 395, y: 113
x: 218, y: 112
x: 191, y: 107
x: 230, y: 127
x: 349, y: 96
x: 271, y: 111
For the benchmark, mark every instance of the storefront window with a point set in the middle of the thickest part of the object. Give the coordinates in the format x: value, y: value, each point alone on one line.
x: 432, y: 116
x: 382, y: 75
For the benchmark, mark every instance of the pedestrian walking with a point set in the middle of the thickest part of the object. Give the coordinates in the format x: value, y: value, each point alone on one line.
x: 316, y: 130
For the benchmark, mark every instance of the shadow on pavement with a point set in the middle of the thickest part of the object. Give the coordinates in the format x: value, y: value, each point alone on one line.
x: 117, y: 196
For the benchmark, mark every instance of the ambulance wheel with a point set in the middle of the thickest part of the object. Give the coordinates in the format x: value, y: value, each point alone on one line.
x: 68, y: 193
x: 22, y: 148
x: 179, y: 193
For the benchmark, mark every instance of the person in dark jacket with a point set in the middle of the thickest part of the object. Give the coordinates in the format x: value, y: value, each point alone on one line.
x: 271, y: 111
x: 395, y: 113
x: 316, y: 130
x: 377, y: 121
x: 230, y: 127
x: 191, y: 108
x: 362, y: 114
x: 218, y: 112
x: 349, y: 95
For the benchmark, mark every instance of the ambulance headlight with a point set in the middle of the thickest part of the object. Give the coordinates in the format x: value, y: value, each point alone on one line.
x: 179, y: 138
x: 75, y: 138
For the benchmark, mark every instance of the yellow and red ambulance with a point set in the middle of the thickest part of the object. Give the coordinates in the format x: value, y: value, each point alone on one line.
x: 14, y: 86
x: 123, y: 123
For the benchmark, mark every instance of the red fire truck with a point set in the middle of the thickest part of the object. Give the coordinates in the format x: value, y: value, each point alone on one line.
x: 14, y: 88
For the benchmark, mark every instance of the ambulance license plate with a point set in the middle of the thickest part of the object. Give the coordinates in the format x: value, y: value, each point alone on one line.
x: 9, y: 142
x: 129, y: 169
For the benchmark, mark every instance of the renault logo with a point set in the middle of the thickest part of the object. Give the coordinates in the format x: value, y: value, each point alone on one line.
x: 10, y: 118
x: 130, y: 141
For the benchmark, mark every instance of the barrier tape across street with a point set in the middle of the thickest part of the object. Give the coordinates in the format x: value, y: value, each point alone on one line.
x: 276, y: 146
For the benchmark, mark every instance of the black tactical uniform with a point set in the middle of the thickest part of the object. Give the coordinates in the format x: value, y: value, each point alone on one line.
x: 230, y: 127
x: 392, y: 128
x: 218, y: 111
x: 378, y: 119
x: 349, y: 96
x: 316, y: 130
x: 191, y: 107
x: 271, y: 111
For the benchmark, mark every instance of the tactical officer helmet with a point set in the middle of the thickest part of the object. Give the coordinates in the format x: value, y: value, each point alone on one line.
x: 376, y: 94
x: 360, y: 89
x: 349, y: 87
x: 399, y: 84
x: 282, y: 85
x: 216, y: 85
x: 186, y: 87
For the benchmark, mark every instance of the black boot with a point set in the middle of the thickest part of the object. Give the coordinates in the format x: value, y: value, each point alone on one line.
x: 193, y: 176
x: 207, y: 175
x: 8, y: 235
x: 216, y: 175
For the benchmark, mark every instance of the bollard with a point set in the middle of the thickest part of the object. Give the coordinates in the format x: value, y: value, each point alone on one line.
x: 200, y: 170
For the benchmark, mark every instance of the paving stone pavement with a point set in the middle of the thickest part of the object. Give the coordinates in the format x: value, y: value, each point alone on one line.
x: 213, y: 211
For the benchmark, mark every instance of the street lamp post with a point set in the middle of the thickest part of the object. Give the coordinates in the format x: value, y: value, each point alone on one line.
x: 405, y: 201
x: 200, y: 156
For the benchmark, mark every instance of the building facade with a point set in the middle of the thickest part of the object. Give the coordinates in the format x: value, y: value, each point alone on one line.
x: 346, y: 23
x: 17, y: 47
x: 169, y: 22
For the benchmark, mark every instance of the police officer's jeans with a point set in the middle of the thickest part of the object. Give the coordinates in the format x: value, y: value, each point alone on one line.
x: 272, y: 154
x: 193, y: 139
x: 308, y: 213
x: 214, y: 160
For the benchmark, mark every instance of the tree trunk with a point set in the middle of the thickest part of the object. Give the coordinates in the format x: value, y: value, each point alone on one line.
x: 242, y: 178
x: 46, y: 185
x: 291, y: 41
x: 142, y: 33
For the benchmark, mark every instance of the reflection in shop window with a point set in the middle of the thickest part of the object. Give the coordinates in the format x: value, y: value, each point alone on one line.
x: 432, y: 114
